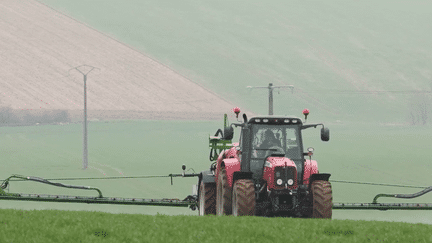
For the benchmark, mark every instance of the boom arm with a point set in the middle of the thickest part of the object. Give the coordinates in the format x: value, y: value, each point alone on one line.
x: 387, y: 206
x: 189, y: 201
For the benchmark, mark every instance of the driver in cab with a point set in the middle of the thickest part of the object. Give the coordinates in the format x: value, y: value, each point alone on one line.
x: 269, y: 140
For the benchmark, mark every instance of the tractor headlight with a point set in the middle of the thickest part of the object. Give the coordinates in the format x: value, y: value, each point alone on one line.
x: 279, y: 182
x: 290, y: 182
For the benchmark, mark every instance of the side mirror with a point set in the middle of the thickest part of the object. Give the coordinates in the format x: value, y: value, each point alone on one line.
x: 325, y: 134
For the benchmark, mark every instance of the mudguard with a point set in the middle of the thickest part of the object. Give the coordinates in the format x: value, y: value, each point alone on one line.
x: 238, y: 175
x: 310, y: 168
x: 207, y: 177
x: 318, y: 177
x: 231, y: 165
x: 231, y: 153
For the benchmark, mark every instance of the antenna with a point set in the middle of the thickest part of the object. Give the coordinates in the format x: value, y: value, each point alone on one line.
x: 85, y: 148
x: 270, y: 87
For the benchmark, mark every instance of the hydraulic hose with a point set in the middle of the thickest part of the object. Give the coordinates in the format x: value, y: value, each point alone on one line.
x: 219, y: 131
x: 406, y: 196
x: 41, y: 180
x: 213, y: 153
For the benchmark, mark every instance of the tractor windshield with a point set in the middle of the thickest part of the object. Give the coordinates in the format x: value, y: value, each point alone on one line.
x: 268, y: 139
x: 274, y: 139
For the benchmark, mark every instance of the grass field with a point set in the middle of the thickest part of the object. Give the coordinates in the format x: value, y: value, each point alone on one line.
x: 60, y: 226
x: 132, y: 148
x: 395, y: 155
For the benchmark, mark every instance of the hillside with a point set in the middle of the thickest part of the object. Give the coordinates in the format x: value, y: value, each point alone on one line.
x: 348, y: 60
x: 39, y: 47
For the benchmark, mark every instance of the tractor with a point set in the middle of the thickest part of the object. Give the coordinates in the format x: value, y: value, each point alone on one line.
x: 267, y: 173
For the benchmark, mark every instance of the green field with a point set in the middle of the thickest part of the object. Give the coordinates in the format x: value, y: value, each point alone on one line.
x: 321, y: 48
x: 395, y: 155
x: 59, y: 226
x: 132, y: 148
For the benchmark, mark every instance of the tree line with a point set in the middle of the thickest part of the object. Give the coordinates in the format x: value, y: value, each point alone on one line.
x: 420, y: 109
x: 11, y: 117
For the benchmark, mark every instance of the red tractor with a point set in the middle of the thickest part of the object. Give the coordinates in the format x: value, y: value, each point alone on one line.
x: 266, y: 173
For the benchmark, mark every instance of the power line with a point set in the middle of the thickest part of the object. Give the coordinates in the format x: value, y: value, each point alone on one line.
x: 378, y: 184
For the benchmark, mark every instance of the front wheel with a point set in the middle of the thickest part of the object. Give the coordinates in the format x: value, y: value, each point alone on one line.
x: 223, y: 195
x: 207, y: 198
x: 322, y: 199
x: 243, y: 198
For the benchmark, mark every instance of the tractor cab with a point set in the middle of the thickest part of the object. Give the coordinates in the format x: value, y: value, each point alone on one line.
x: 274, y: 137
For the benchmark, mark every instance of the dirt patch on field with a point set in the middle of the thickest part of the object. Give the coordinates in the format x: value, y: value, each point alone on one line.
x: 39, y: 47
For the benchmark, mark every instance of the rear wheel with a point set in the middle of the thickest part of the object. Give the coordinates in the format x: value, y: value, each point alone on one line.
x: 322, y: 200
x: 223, y: 195
x: 243, y: 198
x: 207, y: 198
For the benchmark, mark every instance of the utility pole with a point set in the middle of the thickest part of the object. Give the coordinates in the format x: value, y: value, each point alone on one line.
x: 85, y: 148
x: 270, y: 87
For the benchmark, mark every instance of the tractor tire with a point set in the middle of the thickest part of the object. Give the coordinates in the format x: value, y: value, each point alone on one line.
x: 243, y: 198
x: 322, y: 200
x: 223, y: 195
x: 207, y: 199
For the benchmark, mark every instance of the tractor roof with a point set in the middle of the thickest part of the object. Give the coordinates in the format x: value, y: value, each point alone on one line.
x: 276, y: 120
